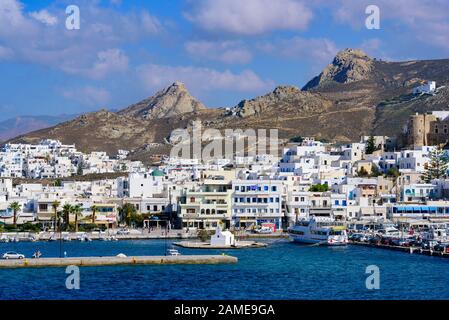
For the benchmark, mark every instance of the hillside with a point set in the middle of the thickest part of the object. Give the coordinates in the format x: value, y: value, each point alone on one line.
x: 14, y: 127
x: 354, y: 95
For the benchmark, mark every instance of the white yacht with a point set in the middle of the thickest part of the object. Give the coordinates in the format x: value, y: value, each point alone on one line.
x: 173, y: 252
x: 320, y: 231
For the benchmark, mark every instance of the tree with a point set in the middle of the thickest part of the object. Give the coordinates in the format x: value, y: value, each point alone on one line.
x: 370, y: 145
x: 55, y: 205
x: 437, y: 166
x: 393, y: 172
x: 15, y: 207
x: 362, y: 172
x: 76, y: 210
x: 126, y: 212
x: 319, y: 188
x: 297, y: 139
x: 66, y: 210
x: 79, y: 169
x: 375, y: 172
x: 94, y: 209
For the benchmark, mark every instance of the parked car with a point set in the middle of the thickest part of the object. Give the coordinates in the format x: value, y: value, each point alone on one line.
x: 386, y: 240
x: 13, y: 255
x: 359, y: 237
x: 374, y: 240
x: 123, y: 231
x: 429, y: 244
x: 413, y: 242
x: 264, y: 230
x: 401, y: 242
x: 442, y: 247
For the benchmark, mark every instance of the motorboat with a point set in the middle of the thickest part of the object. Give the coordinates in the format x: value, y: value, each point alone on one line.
x: 320, y: 231
x: 173, y: 252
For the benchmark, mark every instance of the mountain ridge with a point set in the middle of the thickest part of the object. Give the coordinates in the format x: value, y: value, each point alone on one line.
x: 354, y: 95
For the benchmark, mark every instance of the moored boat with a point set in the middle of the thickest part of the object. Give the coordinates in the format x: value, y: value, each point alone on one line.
x: 319, y: 231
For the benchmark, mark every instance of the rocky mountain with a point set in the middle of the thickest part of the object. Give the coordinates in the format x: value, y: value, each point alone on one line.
x: 14, y: 127
x: 354, y: 95
x: 349, y: 65
x: 285, y: 99
x: 172, y: 101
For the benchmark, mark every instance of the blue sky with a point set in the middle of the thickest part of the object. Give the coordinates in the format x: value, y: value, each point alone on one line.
x: 223, y: 50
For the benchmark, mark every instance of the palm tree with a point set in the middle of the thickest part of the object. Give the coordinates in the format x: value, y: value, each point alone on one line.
x: 55, y: 205
x: 76, y: 210
x: 66, y: 210
x: 126, y: 212
x: 94, y: 211
x: 15, y: 207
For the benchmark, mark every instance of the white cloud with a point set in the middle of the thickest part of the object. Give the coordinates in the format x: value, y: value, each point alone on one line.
x: 317, y: 53
x: 12, y: 22
x: 45, y: 17
x: 5, y: 53
x: 108, y: 61
x: 225, y: 51
x: 426, y: 21
x: 201, y: 79
x: 88, y: 95
x: 249, y: 17
x: 85, y: 52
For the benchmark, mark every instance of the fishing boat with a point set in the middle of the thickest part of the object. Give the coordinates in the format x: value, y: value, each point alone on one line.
x: 319, y: 231
x: 173, y: 252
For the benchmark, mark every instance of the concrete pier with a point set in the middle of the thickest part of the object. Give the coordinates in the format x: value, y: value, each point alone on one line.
x: 207, y: 245
x: 410, y: 250
x: 111, y: 261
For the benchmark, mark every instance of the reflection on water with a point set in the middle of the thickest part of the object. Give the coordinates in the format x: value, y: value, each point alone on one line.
x: 283, y: 270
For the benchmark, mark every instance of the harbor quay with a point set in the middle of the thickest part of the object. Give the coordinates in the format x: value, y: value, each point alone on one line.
x: 114, y: 236
x: 118, y: 260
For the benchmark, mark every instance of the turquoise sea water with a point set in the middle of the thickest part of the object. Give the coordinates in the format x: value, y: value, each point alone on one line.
x: 283, y: 270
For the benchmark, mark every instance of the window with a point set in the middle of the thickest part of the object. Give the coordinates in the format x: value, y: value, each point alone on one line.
x: 192, y: 199
x: 274, y: 188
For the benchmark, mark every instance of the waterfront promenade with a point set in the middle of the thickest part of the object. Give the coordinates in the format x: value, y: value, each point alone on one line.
x: 112, y: 261
x: 134, y: 234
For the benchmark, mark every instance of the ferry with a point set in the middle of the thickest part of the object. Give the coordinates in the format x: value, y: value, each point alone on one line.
x: 320, y: 231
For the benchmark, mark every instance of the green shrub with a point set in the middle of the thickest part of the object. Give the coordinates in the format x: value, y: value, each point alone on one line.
x: 319, y: 188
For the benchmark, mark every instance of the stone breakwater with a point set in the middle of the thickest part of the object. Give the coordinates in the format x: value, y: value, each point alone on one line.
x: 111, y: 261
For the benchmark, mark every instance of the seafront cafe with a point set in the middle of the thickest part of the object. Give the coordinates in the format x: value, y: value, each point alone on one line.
x: 419, y: 211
